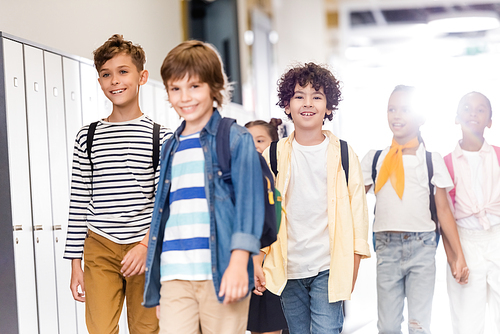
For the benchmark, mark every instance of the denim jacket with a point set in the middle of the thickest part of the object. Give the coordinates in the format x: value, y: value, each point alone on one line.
x: 235, y: 225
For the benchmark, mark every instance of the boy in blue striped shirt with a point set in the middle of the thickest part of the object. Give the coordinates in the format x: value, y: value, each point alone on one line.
x: 202, y: 233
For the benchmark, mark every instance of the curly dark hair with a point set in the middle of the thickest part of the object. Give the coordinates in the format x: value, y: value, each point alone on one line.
x: 316, y: 75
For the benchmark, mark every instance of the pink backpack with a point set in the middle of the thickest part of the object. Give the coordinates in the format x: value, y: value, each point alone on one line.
x: 449, y: 164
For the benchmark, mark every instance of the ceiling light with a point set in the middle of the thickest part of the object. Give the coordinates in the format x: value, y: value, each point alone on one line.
x: 466, y: 21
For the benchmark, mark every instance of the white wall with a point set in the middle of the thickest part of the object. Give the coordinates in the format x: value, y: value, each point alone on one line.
x: 302, y: 32
x: 79, y: 27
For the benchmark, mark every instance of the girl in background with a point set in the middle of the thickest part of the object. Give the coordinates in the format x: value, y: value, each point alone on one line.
x: 265, y: 315
x: 404, y: 231
x: 474, y: 167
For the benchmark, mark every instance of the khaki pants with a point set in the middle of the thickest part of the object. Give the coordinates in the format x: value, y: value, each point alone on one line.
x: 106, y: 289
x: 191, y: 307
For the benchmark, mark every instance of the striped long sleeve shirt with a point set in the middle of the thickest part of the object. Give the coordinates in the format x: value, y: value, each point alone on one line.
x: 117, y: 200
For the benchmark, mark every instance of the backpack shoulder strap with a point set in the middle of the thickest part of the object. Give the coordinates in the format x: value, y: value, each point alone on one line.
x: 344, y: 156
x: 497, y: 151
x: 448, y: 161
x: 156, y: 145
x: 90, y: 140
x: 273, y: 157
x: 223, y: 147
x: 449, y: 165
x: 374, y: 166
x: 430, y: 174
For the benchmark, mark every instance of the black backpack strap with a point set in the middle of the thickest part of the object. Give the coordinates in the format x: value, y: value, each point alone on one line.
x: 430, y: 173
x: 344, y: 156
x: 90, y: 140
x: 156, y: 145
x: 223, y: 148
x: 374, y: 166
x: 273, y: 157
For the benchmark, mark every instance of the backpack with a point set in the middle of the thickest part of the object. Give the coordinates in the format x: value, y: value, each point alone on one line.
x: 156, y: 146
x: 449, y: 164
x: 344, y: 156
x: 272, y: 197
x: 432, y: 201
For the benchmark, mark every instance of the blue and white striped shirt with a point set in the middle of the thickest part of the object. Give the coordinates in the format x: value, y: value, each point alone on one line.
x: 186, y: 250
x: 119, y: 201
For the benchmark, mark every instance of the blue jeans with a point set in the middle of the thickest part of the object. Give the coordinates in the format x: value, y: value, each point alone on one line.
x: 405, y: 268
x: 306, y: 307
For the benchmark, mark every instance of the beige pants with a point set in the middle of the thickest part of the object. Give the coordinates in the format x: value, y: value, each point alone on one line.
x: 106, y: 289
x: 191, y: 307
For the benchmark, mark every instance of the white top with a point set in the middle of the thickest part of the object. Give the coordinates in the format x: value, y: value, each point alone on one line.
x: 476, y: 175
x: 307, y: 211
x: 411, y: 213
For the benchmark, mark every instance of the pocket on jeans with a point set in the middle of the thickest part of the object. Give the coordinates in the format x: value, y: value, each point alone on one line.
x: 380, y: 242
x: 429, y: 239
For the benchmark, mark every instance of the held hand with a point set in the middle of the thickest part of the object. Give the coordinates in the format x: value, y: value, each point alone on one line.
x: 134, y: 262
x: 77, y: 281
x: 460, y: 271
x: 258, y: 275
x: 234, y: 283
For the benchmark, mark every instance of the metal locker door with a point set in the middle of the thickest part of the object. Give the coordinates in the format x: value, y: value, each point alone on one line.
x: 161, y: 110
x: 59, y: 181
x: 89, y: 84
x: 20, y: 187
x: 40, y: 190
x: 73, y: 112
x: 72, y: 104
x: 146, y: 100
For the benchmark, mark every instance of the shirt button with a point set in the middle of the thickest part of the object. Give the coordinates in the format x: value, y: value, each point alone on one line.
x: 219, y: 173
x: 212, y: 238
x: 161, y: 210
x: 205, y: 149
x: 147, y: 269
x: 213, y: 269
x: 209, y: 176
x: 166, y: 181
x: 154, y: 238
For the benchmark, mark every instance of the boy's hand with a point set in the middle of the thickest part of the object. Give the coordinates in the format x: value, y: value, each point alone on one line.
x: 460, y: 271
x: 134, y: 262
x: 234, y: 283
x: 158, y: 312
x: 357, y: 260
x: 77, y: 280
x: 258, y: 274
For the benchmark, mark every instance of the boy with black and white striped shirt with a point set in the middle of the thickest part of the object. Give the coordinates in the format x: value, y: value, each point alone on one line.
x: 112, y: 196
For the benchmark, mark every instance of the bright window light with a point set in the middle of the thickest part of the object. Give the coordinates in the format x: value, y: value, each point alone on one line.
x: 456, y: 22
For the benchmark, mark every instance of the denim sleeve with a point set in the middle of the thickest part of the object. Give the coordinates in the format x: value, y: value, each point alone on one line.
x: 246, y: 174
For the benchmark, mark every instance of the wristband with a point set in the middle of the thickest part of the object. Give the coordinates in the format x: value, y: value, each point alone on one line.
x: 140, y: 243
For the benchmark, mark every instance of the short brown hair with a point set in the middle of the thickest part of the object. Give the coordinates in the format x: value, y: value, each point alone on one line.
x: 116, y: 45
x: 196, y: 58
x: 316, y: 75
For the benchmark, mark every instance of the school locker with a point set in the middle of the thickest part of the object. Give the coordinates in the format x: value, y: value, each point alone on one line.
x: 40, y: 190
x: 45, y: 98
x: 17, y: 146
x: 59, y: 181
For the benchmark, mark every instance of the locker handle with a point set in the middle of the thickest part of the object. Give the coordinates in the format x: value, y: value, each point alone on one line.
x: 38, y: 227
x: 16, y: 82
x: 55, y: 92
x: 57, y: 227
x: 36, y: 86
x: 18, y: 227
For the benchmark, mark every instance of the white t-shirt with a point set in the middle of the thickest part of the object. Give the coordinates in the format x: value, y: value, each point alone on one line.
x: 307, y: 211
x: 411, y: 213
x: 476, y: 173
